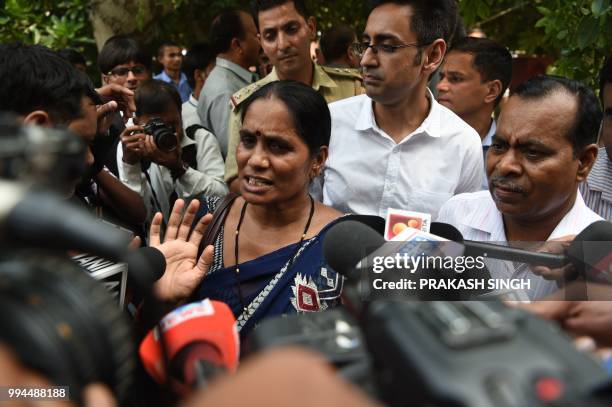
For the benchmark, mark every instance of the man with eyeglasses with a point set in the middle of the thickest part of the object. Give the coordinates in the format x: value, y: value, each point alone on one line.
x: 124, y: 62
x: 396, y: 146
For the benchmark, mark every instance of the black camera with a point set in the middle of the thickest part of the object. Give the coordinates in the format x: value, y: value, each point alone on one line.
x: 163, y: 134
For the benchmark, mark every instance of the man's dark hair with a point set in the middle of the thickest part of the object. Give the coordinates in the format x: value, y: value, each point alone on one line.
x: 163, y: 46
x: 73, y: 56
x: 153, y: 97
x: 119, y: 50
x: 224, y: 28
x: 335, y: 41
x: 585, y: 128
x: 492, y: 60
x: 605, y: 76
x: 431, y: 19
x: 199, y: 56
x: 264, y: 5
x: 37, y: 78
x: 307, y: 108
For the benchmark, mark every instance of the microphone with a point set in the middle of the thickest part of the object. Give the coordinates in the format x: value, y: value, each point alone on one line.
x: 201, y: 340
x: 582, y: 252
x: 44, y: 219
x: 347, y: 242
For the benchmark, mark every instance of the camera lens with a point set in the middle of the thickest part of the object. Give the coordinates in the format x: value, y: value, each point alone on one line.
x: 165, y: 139
x: 163, y: 134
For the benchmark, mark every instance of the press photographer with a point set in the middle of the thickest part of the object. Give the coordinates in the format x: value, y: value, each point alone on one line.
x: 158, y: 161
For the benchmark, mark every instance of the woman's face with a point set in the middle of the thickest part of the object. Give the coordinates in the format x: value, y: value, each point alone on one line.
x: 274, y: 163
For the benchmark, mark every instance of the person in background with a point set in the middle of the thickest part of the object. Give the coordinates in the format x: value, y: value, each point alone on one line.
x: 597, y: 189
x: 197, y: 65
x: 124, y: 62
x: 337, y: 47
x: 233, y: 36
x: 473, y: 79
x: 170, y: 56
x: 75, y: 58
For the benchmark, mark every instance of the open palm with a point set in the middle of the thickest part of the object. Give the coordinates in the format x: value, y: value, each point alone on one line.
x: 184, y: 271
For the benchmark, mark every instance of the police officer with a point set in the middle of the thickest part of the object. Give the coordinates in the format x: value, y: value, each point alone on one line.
x: 286, y: 30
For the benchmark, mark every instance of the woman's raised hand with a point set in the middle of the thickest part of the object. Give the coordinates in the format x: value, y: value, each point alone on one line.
x: 184, y: 271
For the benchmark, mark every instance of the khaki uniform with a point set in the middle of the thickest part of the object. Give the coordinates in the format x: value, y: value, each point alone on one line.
x: 332, y: 83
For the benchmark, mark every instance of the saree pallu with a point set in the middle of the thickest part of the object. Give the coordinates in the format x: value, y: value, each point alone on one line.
x: 273, y: 285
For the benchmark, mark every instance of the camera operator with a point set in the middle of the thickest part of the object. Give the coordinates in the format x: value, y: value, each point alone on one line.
x: 158, y: 161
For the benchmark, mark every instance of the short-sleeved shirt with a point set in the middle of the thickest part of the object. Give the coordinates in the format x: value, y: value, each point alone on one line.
x: 597, y: 189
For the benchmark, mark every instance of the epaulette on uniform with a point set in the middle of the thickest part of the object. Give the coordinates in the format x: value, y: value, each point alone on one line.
x: 342, y: 72
x: 244, y: 93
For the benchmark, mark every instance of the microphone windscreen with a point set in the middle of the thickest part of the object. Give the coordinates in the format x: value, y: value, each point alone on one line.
x: 446, y: 231
x: 207, y: 321
x: 347, y: 242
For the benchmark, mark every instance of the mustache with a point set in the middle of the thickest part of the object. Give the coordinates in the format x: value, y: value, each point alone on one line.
x: 370, y: 72
x: 499, y: 181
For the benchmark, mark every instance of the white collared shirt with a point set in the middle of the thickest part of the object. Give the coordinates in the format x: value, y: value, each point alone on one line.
x: 206, y: 180
x: 367, y: 171
x: 477, y: 218
x: 189, y: 112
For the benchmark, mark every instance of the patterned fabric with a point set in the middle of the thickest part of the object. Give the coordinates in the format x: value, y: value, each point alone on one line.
x: 273, y: 284
x: 597, y: 189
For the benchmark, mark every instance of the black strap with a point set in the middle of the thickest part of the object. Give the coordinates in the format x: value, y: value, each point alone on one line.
x: 191, y: 130
x: 219, y: 215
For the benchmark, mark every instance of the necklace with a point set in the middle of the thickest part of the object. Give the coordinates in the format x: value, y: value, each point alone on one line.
x: 237, y: 270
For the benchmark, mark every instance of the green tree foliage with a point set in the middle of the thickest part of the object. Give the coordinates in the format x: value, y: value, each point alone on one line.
x: 56, y: 24
x: 577, y: 34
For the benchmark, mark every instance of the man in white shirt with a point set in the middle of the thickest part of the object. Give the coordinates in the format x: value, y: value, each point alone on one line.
x: 396, y: 146
x: 171, y: 174
x: 543, y: 148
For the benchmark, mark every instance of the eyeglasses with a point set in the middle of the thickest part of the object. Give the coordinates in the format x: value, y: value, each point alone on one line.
x: 122, y: 71
x: 360, y: 48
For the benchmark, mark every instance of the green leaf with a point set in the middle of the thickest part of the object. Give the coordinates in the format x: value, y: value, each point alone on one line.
x: 587, y: 31
x: 562, y: 34
x: 585, y: 11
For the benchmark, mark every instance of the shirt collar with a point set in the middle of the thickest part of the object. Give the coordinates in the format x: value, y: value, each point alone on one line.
x: 489, y: 219
x: 244, y: 74
x: 193, y: 101
x: 320, y: 79
x: 600, y: 177
x: 486, y: 142
x: 430, y: 126
x: 164, y: 76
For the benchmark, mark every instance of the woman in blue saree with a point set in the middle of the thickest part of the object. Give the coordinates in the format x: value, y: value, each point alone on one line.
x: 267, y: 259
